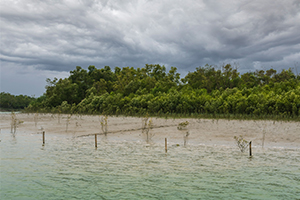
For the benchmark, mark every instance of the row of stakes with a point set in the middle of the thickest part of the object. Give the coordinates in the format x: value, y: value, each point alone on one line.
x: 166, y: 144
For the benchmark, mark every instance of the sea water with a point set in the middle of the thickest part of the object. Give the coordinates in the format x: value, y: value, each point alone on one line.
x: 69, y: 167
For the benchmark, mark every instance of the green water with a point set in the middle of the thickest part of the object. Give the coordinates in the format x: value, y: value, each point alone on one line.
x: 71, y: 168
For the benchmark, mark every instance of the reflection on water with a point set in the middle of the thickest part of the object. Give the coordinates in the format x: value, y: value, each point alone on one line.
x: 71, y: 168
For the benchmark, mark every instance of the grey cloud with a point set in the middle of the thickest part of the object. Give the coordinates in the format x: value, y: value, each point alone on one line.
x: 59, y: 35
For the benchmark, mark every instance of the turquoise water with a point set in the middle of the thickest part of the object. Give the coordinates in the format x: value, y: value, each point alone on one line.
x: 71, y: 168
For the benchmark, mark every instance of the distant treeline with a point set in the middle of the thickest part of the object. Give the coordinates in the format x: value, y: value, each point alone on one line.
x: 11, y: 102
x: 153, y: 90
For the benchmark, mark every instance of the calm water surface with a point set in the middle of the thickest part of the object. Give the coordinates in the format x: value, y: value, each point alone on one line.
x: 71, y: 168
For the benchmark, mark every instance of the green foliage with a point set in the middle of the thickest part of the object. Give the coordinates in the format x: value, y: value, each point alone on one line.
x: 206, y: 92
x: 12, y: 102
x: 241, y: 143
x: 182, y: 125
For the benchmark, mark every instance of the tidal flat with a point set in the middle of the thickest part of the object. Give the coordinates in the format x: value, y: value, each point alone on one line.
x: 125, y: 166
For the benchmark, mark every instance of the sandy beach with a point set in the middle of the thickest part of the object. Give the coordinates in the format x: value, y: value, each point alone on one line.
x: 201, y: 131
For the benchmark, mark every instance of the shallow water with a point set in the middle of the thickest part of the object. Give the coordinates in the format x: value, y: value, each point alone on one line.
x: 71, y: 168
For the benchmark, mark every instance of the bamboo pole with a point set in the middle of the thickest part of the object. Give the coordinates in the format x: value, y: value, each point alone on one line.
x: 95, y: 140
x: 43, y: 137
x: 166, y: 145
x: 250, y: 148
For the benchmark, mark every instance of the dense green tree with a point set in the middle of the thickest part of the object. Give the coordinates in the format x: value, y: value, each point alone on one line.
x: 10, y: 102
x: 153, y: 90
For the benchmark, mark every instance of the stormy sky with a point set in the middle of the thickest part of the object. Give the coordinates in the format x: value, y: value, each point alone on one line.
x: 49, y: 38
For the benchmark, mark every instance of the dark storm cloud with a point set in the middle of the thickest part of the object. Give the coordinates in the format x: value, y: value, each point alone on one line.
x: 59, y: 35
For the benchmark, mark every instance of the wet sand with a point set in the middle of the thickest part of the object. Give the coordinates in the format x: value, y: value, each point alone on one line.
x: 201, y: 131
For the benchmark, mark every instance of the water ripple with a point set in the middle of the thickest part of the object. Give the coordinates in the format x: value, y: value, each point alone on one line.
x: 71, y: 168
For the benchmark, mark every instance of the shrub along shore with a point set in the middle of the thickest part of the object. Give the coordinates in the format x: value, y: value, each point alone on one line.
x: 9, y: 102
x: 207, y: 92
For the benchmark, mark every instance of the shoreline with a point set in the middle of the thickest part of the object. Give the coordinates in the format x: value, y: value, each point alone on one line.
x: 278, y: 134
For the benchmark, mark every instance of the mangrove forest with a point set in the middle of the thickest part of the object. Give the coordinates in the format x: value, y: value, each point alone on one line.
x: 153, y: 90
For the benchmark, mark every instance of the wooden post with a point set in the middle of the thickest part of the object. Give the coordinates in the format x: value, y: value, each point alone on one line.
x: 166, y: 145
x: 95, y: 140
x: 43, y: 137
x: 250, y: 148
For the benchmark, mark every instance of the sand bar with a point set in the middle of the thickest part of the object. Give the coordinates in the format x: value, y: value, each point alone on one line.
x: 278, y: 134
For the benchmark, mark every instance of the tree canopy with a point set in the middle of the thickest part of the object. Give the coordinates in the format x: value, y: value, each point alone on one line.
x: 154, y: 90
x: 12, y: 102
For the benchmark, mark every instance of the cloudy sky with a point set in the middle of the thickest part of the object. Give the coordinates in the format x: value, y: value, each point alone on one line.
x: 47, y: 39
